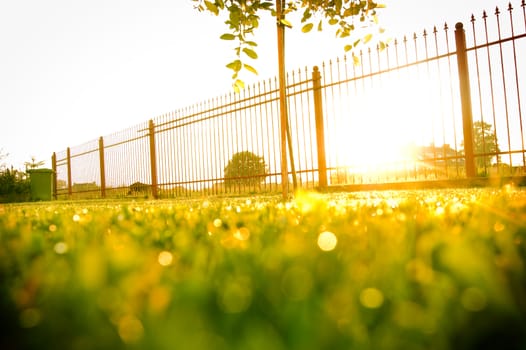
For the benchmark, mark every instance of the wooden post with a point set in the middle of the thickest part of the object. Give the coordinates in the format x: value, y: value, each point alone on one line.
x: 68, y: 165
x: 102, y: 168
x: 465, y: 98
x: 320, y: 131
x: 54, y: 168
x: 282, y: 99
x: 153, y: 158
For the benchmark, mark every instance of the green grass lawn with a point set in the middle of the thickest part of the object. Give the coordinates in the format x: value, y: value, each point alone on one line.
x: 406, y: 270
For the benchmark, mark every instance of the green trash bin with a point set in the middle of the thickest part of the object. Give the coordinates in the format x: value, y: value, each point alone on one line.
x: 41, y: 182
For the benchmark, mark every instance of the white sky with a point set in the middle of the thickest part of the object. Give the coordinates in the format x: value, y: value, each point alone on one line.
x: 74, y: 70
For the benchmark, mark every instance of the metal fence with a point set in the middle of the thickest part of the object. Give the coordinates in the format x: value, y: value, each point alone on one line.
x: 443, y: 105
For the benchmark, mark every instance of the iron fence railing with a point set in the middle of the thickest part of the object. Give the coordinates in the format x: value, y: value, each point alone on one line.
x: 443, y: 105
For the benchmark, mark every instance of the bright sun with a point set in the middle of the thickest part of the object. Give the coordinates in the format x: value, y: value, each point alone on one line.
x: 382, y: 129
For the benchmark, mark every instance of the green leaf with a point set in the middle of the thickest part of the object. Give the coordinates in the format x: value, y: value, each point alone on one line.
x: 250, y: 68
x: 227, y: 36
x: 356, y: 60
x: 211, y: 7
x: 251, y: 43
x: 333, y: 21
x: 286, y: 23
x: 266, y: 5
x: 320, y: 26
x: 238, y: 85
x: 306, y: 15
x: 235, y: 65
x: 367, y: 38
x: 307, y: 27
x: 250, y: 53
x: 347, y: 48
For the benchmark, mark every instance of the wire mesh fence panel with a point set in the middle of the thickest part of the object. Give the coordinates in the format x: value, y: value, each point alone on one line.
x: 442, y: 104
x: 127, y: 162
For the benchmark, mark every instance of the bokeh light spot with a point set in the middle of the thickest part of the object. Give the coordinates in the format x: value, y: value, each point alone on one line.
x: 242, y: 234
x: 327, y: 241
x: 499, y: 227
x: 165, y: 258
x: 61, y: 248
x: 130, y: 329
x: 371, y: 298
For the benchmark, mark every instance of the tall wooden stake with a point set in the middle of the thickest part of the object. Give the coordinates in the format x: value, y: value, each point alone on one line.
x: 284, y: 120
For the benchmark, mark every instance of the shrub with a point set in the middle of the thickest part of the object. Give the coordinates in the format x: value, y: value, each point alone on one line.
x: 14, y: 186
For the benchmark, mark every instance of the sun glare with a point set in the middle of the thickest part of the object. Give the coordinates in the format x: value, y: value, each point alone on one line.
x: 380, y: 131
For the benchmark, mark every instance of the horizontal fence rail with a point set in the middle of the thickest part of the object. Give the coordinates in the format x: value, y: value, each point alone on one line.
x: 441, y: 105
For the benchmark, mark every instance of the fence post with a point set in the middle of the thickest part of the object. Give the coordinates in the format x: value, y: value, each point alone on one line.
x: 320, y: 131
x: 465, y: 98
x: 68, y: 164
x: 153, y: 158
x: 54, y: 168
x: 102, y: 168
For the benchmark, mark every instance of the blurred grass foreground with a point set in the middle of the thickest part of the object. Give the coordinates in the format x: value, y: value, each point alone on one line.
x: 406, y: 270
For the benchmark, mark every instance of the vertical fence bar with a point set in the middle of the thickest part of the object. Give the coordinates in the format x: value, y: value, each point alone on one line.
x: 102, y: 168
x: 320, y: 132
x: 153, y: 158
x: 465, y: 98
x: 68, y: 162
x: 54, y: 168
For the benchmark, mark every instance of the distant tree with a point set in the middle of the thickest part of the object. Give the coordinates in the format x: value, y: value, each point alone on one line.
x: 245, y: 168
x: 138, y: 188
x: 484, y: 144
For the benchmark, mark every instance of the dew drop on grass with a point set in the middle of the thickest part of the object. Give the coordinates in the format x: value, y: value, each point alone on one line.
x: 327, y: 241
x: 76, y: 218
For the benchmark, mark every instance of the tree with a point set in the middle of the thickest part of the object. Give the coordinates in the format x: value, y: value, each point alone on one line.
x: 245, y: 168
x: 346, y: 16
x: 485, y: 146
